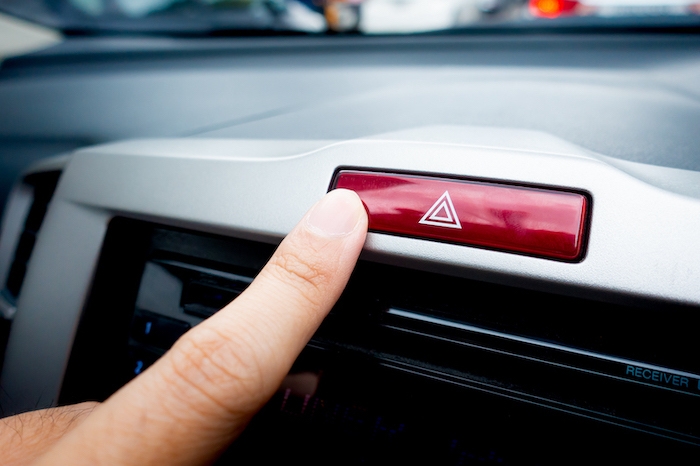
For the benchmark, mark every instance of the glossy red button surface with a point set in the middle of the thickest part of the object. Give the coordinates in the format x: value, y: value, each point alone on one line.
x: 520, y: 219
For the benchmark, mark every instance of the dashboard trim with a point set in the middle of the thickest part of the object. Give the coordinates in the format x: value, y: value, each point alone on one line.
x: 244, y: 189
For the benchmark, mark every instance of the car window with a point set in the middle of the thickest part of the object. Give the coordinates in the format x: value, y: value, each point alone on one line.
x: 235, y: 17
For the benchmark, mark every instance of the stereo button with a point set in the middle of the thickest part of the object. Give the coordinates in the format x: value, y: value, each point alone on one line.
x: 156, y: 330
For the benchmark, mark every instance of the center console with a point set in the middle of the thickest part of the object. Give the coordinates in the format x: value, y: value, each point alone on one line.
x: 410, y: 366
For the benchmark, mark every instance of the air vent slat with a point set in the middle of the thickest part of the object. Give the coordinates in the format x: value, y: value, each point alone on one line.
x: 44, y: 185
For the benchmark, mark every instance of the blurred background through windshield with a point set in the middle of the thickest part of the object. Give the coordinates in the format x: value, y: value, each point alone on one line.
x: 342, y: 16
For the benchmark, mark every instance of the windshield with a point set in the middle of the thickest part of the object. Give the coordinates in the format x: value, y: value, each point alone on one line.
x: 347, y: 16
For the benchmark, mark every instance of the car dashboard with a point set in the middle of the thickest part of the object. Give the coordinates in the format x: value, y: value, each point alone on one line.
x: 438, y: 351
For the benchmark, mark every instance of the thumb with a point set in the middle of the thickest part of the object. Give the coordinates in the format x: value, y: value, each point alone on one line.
x: 196, y: 399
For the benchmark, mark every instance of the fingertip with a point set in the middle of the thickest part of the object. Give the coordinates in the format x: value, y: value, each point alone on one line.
x: 339, y: 213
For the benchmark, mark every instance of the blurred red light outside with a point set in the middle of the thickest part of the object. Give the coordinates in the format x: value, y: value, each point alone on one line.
x: 552, y: 8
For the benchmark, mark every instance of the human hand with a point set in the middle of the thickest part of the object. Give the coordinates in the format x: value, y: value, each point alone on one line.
x: 201, y: 394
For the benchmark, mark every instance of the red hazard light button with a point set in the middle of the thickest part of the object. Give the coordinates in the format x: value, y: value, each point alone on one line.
x: 541, y: 222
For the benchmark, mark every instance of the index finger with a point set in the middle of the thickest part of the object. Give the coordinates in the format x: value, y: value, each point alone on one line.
x: 188, y: 406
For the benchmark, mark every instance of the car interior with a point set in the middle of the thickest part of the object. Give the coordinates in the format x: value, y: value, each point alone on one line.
x: 528, y: 288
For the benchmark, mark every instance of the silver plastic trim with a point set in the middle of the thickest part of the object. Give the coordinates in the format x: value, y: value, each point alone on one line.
x: 642, y: 245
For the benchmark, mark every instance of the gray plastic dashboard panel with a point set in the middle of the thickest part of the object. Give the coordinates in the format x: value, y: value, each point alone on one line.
x: 642, y: 245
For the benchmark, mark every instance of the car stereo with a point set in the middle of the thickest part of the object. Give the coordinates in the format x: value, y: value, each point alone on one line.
x: 410, y: 365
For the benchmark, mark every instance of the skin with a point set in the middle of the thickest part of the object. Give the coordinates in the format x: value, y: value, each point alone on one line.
x: 27, y: 436
x: 190, y: 405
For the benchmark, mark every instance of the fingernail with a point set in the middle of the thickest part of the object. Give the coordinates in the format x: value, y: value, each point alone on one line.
x: 337, y: 214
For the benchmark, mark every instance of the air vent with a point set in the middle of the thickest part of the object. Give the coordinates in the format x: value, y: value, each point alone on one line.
x: 42, y: 186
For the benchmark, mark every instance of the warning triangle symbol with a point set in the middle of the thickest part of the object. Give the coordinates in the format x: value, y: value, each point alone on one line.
x: 442, y: 214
